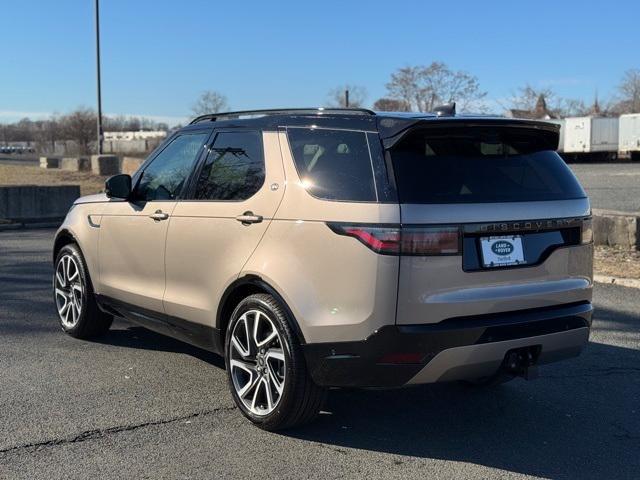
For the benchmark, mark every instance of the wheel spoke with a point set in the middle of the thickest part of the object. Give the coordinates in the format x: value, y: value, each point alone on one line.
x: 75, y: 274
x: 60, y: 278
x: 254, y: 399
x: 253, y: 376
x: 267, y: 389
x: 275, y: 381
x: 65, y: 307
x: 256, y: 330
x: 276, y: 354
x: 67, y: 267
x: 242, y: 347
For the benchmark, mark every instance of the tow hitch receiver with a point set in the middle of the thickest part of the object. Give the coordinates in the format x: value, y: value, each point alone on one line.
x: 521, y: 362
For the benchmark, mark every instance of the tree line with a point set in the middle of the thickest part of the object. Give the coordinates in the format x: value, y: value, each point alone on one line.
x: 79, y: 126
x: 410, y: 88
x: 421, y: 88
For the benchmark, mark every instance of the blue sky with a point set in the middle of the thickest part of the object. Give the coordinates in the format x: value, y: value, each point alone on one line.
x: 157, y: 56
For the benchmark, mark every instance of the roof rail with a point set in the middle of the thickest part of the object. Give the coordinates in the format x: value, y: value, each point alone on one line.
x: 281, y: 111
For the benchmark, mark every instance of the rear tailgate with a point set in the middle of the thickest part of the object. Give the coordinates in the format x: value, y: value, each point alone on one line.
x: 521, y: 215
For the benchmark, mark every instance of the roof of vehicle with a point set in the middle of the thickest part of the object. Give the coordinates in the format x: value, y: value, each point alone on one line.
x: 390, y: 125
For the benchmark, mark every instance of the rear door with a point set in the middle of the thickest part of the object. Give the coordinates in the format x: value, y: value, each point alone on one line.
x: 213, y: 232
x: 133, y: 233
x: 486, y: 215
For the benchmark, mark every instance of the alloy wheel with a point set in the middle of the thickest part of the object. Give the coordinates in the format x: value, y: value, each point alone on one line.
x: 257, y: 362
x: 69, y: 290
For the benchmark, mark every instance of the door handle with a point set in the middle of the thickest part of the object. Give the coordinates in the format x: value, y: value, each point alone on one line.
x: 159, y: 215
x: 247, y: 218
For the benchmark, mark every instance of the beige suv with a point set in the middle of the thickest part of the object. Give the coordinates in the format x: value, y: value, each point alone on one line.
x: 340, y: 248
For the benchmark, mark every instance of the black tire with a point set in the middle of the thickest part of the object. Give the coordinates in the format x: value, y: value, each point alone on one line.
x: 301, y: 399
x: 91, y: 322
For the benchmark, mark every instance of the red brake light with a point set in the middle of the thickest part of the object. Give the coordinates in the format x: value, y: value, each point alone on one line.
x: 396, y: 240
x: 379, y: 239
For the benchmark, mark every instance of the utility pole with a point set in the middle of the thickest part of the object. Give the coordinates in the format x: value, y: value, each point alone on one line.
x: 99, y: 146
x: 346, y: 98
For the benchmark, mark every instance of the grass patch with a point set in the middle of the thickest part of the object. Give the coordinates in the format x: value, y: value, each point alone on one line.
x: 34, y: 175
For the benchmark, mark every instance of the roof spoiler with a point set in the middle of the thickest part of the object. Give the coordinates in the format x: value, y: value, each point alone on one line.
x: 392, y: 132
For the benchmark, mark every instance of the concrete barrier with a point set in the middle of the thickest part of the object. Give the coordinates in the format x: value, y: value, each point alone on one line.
x: 616, y: 229
x: 75, y: 164
x: 33, y: 203
x: 130, y: 165
x: 49, y: 162
x: 105, y: 164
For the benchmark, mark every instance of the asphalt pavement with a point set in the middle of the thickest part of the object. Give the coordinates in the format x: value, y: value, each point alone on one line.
x: 611, y: 186
x: 139, y: 405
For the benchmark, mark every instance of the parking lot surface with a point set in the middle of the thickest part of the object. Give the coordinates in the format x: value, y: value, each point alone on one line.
x: 139, y: 405
x: 611, y: 186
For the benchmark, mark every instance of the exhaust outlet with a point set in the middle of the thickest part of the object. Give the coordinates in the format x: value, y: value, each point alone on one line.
x: 521, y: 362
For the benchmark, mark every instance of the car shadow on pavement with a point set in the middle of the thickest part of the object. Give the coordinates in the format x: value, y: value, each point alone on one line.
x: 580, y: 419
x: 131, y: 336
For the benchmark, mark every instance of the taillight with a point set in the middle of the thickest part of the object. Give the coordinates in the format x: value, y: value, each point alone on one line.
x: 587, y: 231
x: 396, y: 240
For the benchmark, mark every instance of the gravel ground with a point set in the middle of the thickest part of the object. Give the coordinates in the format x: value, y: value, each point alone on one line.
x: 139, y: 405
x: 617, y: 262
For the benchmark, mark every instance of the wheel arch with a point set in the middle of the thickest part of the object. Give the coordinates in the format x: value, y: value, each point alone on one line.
x: 63, y: 237
x: 242, y: 288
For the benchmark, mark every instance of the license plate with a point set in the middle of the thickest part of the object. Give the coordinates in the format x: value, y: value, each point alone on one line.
x: 502, y: 251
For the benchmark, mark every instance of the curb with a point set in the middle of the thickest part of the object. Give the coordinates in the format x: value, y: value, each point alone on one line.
x: 28, y: 226
x: 623, y: 282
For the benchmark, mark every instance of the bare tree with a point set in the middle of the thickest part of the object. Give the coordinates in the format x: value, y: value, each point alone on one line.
x: 210, y: 102
x: 80, y: 126
x: 527, y: 98
x: 628, y: 100
x: 545, y: 100
x: 357, y: 96
x: 423, y: 88
x: 390, y: 105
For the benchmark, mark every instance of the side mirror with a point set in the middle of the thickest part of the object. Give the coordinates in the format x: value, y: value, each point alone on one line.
x: 118, y: 186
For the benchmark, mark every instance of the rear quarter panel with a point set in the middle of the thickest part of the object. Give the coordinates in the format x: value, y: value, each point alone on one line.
x: 337, y: 288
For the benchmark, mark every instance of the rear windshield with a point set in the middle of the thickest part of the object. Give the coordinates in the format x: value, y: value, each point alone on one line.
x: 480, y: 165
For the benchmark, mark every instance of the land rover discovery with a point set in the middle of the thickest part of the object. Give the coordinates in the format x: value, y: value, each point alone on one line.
x: 317, y: 248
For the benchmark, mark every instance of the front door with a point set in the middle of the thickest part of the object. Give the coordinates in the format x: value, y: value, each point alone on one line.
x: 133, y: 233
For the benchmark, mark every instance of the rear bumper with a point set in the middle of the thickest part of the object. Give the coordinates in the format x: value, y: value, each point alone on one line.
x: 454, y: 349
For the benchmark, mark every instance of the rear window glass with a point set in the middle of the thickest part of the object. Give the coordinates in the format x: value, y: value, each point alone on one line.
x: 333, y: 164
x: 480, y: 166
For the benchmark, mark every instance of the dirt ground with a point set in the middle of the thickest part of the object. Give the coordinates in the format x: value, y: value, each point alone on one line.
x: 617, y: 262
x: 34, y: 175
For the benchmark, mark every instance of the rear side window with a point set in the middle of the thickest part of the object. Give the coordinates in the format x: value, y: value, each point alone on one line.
x: 480, y: 165
x: 234, y: 169
x: 333, y: 164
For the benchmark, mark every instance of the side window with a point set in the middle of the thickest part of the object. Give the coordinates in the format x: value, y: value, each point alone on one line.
x: 234, y: 169
x: 333, y: 164
x: 164, y: 177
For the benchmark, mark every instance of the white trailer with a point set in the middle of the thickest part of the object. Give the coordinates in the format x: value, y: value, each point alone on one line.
x: 629, y: 133
x: 604, y: 134
x: 590, y: 135
x: 559, y: 121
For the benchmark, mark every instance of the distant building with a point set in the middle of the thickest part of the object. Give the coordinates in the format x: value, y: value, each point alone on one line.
x: 540, y: 112
x: 139, y: 135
